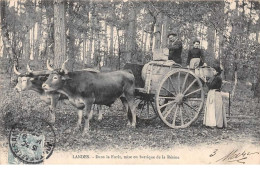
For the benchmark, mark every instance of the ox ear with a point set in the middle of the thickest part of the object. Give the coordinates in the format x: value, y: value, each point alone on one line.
x: 31, y: 79
x: 29, y: 68
x: 65, y: 77
x: 28, y: 74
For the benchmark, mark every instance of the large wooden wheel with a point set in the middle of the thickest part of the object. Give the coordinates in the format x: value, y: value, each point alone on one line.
x: 179, y: 98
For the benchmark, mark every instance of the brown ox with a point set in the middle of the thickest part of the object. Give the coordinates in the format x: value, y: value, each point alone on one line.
x: 85, y: 88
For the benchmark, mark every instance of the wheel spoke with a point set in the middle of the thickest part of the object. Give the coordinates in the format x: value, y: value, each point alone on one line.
x: 193, y: 92
x: 168, y: 90
x: 169, y: 111
x: 142, y: 108
x: 172, y: 85
x: 139, y: 102
x: 179, y: 82
x: 175, y: 115
x: 166, y: 104
x: 191, y: 107
x: 153, y: 107
x: 181, y: 115
x: 194, y: 99
x: 165, y: 97
x: 147, y: 109
x: 184, y: 82
x: 189, y: 86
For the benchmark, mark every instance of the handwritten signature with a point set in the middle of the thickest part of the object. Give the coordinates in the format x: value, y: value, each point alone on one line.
x: 234, y: 156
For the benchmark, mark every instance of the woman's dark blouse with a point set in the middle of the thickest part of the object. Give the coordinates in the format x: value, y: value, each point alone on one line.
x: 215, y: 83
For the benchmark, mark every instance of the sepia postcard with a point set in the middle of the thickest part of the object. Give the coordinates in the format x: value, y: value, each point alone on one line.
x: 129, y: 82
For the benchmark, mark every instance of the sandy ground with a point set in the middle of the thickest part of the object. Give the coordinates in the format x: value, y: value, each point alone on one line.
x: 110, y: 141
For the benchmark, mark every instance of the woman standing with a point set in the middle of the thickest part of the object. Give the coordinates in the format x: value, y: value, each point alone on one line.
x: 215, y: 114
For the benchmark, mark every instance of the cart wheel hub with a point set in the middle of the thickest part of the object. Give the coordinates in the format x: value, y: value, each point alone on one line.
x: 179, y: 99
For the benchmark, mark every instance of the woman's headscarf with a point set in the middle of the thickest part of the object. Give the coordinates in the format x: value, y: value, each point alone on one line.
x: 218, y: 69
x: 216, y: 66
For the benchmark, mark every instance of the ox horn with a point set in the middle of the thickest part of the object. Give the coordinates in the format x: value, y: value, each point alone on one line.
x: 48, y: 66
x: 29, y: 69
x: 64, y: 66
x: 16, y: 72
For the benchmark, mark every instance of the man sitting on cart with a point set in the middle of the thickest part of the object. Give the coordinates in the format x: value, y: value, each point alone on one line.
x: 195, y: 56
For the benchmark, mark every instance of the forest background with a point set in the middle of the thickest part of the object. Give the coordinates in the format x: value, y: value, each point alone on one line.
x: 110, y: 33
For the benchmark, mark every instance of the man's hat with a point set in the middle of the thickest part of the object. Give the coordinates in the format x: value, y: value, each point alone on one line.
x: 196, y: 40
x: 172, y: 34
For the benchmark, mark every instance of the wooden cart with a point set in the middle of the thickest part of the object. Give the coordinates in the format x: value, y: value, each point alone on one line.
x: 167, y: 90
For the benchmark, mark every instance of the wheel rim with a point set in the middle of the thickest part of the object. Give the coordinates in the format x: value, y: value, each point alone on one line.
x: 183, y: 97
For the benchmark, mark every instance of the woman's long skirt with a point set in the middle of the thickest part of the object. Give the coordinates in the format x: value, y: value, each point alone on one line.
x: 215, y: 114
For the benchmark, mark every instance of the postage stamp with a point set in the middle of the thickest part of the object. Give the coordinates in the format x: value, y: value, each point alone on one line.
x: 129, y: 82
x: 31, y: 142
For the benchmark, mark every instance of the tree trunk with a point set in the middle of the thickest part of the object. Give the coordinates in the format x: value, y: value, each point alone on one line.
x: 45, y: 32
x: 37, y: 42
x: 258, y: 85
x: 158, y: 33
x: 111, y: 46
x: 84, y: 48
x: 235, y: 81
x: 119, y: 50
x: 152, y: 36
x: 72, y: 40
x: 26, y: 43
x: 38, y: 32
x: 210, y: 49
x: 105, y: 45
x: 220, y: 49
x: 258, y: 70
x: 59, y: 33
x: 144, y: 48
x: 216, y: 54
x: 131, y: 36
x: 142, y: 43
x: 164, y: 31
x: 96, y: 43
x: 91, y: 36
x: 145, y: 42
x: 5, y: 34
x: 2, y: 18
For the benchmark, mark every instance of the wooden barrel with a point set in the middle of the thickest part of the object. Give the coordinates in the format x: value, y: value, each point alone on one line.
x: 154, y: 71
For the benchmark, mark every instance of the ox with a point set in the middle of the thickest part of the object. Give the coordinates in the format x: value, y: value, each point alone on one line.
x: 85, y: 88
x: 33, y: 80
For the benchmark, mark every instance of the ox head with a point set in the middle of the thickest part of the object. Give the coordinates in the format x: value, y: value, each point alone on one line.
x: 57, y: 78
x: 26, y: 79
x: 55, y: 81
x: 24, y: 83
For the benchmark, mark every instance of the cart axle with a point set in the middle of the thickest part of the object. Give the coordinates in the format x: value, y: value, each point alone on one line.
x: 179, y: 99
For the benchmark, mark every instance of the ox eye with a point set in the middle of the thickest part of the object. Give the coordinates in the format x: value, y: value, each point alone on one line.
x: 55, y: 77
